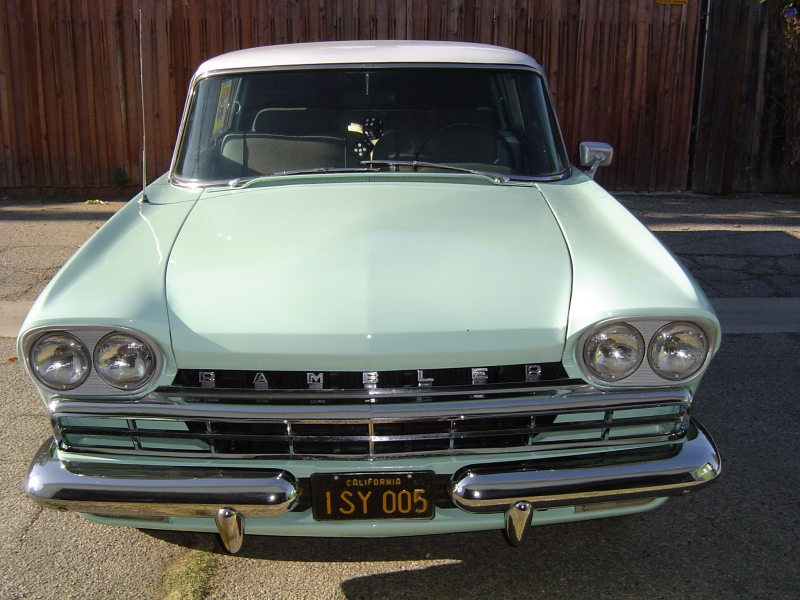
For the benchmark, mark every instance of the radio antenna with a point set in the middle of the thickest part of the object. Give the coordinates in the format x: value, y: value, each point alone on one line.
x: 144, y: 135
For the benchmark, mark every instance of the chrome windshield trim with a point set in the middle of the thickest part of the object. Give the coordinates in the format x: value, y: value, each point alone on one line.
x: 167, y: 406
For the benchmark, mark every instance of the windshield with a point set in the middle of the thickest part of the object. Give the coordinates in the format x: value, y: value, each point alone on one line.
x: 254, y: 124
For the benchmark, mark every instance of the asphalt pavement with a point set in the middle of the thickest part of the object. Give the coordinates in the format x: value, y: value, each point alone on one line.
x: 735, y: 539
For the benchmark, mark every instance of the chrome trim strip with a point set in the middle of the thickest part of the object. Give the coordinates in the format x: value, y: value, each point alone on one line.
x: 496, y: 488
x: 322, y: 395
x: 369, y: 426
x: 543, y: 447
x: 578, y: 398
x: 135, y: 491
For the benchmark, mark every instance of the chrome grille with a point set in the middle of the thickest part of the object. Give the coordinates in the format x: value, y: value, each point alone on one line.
x: 374, y: 437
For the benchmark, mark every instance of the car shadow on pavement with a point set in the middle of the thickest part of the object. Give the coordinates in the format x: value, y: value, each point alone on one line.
x: 552, y: 560
x: 624, y: 557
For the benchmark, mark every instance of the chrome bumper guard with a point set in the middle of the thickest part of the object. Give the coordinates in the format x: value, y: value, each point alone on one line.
x: 518, y: 489
x: 139, y: 492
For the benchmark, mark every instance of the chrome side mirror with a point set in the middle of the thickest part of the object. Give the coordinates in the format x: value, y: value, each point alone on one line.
x: 594, y: 155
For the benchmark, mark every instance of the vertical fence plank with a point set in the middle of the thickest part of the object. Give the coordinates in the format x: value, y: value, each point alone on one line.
x: 107, y: 54
x: 71, y: 84
x: 46, y: 155
x: 716, y: 99
x: 131, y: 89
x: 96, y: 58
x: 9, y: 164
x: 22, y: 92
x: 86, y: 108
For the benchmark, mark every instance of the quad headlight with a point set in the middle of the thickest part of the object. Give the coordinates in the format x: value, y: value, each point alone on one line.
x: 124, y: 361
x: 677, y: 351
x: 60, y: 360
x: 91, y: 359
x: 614, y: 352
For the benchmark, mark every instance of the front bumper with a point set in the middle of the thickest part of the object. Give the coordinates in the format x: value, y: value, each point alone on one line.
x: 231, y: 495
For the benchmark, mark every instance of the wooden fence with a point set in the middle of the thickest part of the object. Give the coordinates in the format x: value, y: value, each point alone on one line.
x: 740, y: 143
x: 621, y: 71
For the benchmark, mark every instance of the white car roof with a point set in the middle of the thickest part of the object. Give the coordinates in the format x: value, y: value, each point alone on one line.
x: 365, y: 53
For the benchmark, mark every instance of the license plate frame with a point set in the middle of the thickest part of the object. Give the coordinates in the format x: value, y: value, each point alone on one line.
x: 408, y: 495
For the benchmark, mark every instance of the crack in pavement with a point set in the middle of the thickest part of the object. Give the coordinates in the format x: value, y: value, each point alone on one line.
x: 26, y: 529
x: 15, y: 543
x: 39, y: 279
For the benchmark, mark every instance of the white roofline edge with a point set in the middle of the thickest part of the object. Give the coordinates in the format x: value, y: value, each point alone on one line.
x: 365, y: 52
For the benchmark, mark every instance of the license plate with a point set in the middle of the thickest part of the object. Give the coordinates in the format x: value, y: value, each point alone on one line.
x: 366, y: 496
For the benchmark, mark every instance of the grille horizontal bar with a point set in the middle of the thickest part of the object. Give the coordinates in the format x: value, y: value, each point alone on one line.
x: 374, y: 438
x: 393, y: 395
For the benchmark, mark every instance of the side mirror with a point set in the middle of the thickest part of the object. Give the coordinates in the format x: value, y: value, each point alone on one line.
x: 594, y: 155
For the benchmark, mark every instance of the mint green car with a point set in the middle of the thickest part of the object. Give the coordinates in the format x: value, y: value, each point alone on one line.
x: 370, y: 298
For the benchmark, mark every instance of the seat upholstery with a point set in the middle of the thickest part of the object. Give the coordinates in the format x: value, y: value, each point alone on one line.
x: 268, y: 153
x: 283, y: 139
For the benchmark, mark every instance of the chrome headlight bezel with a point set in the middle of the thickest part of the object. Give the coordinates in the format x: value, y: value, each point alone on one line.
x: 618, y: 329
x: 67, y: 338
x: 147, y: 356
x: 90, y: 336
x: 651, y: 348
x: 646, y: 376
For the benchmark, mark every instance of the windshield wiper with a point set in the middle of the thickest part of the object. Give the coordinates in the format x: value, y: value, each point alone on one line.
x: 242, y: 181
x: 497, y: 177
x: 370, y: 167
x: 324, y: 170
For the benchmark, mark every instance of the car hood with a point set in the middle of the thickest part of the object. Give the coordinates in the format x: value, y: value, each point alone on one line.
x: 369, y: 276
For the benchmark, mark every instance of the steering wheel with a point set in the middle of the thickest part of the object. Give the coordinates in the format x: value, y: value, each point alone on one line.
x: 467, y: 125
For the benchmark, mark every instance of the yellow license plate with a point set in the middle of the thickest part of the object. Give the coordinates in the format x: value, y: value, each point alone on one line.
x: 366, y: 496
